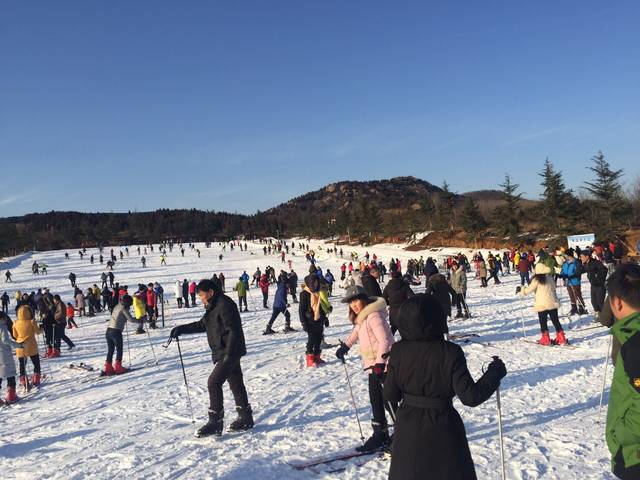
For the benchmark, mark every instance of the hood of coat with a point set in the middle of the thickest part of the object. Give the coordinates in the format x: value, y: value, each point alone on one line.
x: 24, y: 313
x: 437, y: 278
x: 396, y: 284
x: 378, y: 305
x: 421, y: 318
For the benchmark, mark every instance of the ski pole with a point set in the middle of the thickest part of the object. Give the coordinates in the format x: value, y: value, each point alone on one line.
x: 353, y: 399
x: 524, y: 333
x: 184, y: 374
x: 604, y: 377
x: 504, y: 476
x: 151, y: 345
x: 126, y: 329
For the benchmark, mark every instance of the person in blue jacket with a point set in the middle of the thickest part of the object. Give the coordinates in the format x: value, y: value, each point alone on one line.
x: 572, y: 272
x: 280, y: 306
x: 330, y: 279
x: 245, y: 279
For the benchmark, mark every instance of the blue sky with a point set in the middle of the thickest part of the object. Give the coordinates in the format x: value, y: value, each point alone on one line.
x: 238, y: 106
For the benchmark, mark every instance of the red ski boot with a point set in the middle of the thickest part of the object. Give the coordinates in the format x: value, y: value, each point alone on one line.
x: 108, y: 369
x: 560, y: 338
x: 311, y: 360
x: 23, y: 381
x: 56, y: 353
x: 11, y: 395
x: 49, y: 353
x: 119, y: 369
x: 35, y: 379
x: 318, y: 361
x: 545, y: 339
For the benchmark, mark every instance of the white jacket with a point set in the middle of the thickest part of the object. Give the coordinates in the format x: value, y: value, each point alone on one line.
x: 546, y: 297
x: 177, y: 289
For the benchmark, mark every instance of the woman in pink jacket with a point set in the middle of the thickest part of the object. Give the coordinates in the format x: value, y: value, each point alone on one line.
x: 372, y: 331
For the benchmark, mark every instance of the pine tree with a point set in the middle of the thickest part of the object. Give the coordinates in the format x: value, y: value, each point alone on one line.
x: 471, y: 219
x: 507, y: 215
x: 555, y: 199
x: 607, y: 192
x: 445, y: 208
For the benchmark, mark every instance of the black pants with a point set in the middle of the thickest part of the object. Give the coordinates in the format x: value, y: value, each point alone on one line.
x: 61, y: 335
x: 278, y: 311
x: 524, y: 276
x: 11, y: 382
x: 5, y: 308
x: 461, y: 303
x: 376, y: 399
x: 242, y: 300
x: 226, y: 371
x: 193, y: 299
x: 553, y: 314
x: 293, y: 295
x: 493, y: 274
x: 49, y: 332
x: 71, y: 322
x: 179, y: 300
x: 185, y: 297
x: 35, y: 359
x: 315, y: 334
x: 598, y: 292
x: 265, y: 296
x: 151, y: 315
x: 114, y: 342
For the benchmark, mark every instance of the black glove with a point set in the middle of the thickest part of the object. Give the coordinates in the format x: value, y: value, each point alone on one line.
x: 497, y: 368
x: 176, y: 332
x: 326, y: 323
x: 342, y: 351
x: 518, y: 289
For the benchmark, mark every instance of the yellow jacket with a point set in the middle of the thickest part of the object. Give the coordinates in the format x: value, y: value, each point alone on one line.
x: 25, y: 330
x: 139, y: 309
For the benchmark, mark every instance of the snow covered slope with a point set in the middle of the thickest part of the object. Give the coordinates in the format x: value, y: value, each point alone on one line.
x: 138, y: 425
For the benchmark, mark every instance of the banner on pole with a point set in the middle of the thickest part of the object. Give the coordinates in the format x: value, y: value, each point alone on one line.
x: 583, y: 241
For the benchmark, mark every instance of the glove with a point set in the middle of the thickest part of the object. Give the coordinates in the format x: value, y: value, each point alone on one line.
x: 326, y: 323
x: 497, y: 368
x: 175, y: 332
x: 342, y: 351
x: 378, y: 370
x: 518, y: 289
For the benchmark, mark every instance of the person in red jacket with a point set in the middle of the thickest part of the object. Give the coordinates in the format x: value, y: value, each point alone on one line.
x: 71, y: 323
x: 192, y: 293
x: 264, y: 287
x: 152, y: 312
x: 523, y: 268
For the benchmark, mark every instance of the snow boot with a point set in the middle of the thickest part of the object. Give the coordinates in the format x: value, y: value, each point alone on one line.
x: 214, y: 426
x: 574, y: 309
x: 118, y: 369
x: 459, y: 315
x: 379, y: 439
x: 140, y: 331
x: 582, y: 310
x: 244, y: 420
x: 56, y: 353
x: 49, y: 353
x: 560, y: 338
x: 311, y: 360
x: 268, y: 330
x: 544, y: 339
x: 35, y: 379
x: 108, y: 369
x: 318, y: 361
x: 288, y: 329
x: 23, y: 381
x: 11, y: 395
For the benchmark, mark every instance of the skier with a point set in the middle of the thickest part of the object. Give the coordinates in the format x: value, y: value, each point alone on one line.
x: 371, y: 330
x: 546, y: 303
x: 71, y: 323
x: 223, y: 326
x: 370, y: 281
x: 143, y: 260
x: 103, y: 279
x: 292, y: 280
x: 7, y: 364
x: 177, y: 290
x: 47, y: 311
x: 119, y: 316
x: 571, y: 272
x: 442, y: 291
x: 241, y: 288
x: 343, y: 270
x: 622, y: 415
x: 425, y: 372
x: 482, y: 272
x: 280, y: 306
x: 192, y: 293
x: 328, y: 276
x: 7, y: 277
x: 139, y: 308
x: 597, y: 275
x: 72, y: 279
x: 459, y: 285
x: 5, y: 302
x: 264, y: 287
x: 395, y: 293
x: 60, y: 316
x: 312, y: 319
x: 152, y: 302
x: 80, y: 303
x: 25, y: 330
x: 185, y: 293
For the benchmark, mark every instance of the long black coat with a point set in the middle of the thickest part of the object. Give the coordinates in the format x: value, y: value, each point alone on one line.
x: 371, y: 285
x: 395, y: 293
x: 222, y: 323
x: 431, y: 443
x: 440, y: 288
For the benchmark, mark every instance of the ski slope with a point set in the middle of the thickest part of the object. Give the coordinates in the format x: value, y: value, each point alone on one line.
x: 138, y: 425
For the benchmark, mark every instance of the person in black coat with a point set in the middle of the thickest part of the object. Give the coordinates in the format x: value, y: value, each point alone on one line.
x: 597, y: 275
x: 222, y: 324
x: 370, y: 282
x: 425, y: 372
x: 430, y: 268
x: 395, y: 293
x: 443, y: 292
x: 185, y: 293
x: 312, y: 319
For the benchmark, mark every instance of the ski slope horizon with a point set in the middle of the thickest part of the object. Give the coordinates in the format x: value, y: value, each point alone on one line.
x: 139, y: 425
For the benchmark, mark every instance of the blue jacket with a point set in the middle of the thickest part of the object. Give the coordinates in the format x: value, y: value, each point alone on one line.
x: 329, y: 278
x: 280, y: 298
x: 571, y: 272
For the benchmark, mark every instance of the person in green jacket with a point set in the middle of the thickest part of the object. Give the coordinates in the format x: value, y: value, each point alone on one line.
x: 623, y: 414
x: 241, y: 288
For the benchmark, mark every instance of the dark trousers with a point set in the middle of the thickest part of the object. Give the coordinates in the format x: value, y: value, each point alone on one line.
x: 494, y: 274
x: 265, y: 296
x: 49, y: 333
x: 226, y: 371
x: 11, y: 382
x: 278, y: 311
x: 553, y: 314
x: 179, y: 300
x: 193, y: 299
x: 35, y: 359
x: 61, y: 335
x: 293, y: 295
x: 5, y: 308
x: 598, y: 292
x: 114, y: 342
x: 524, y: 277
x: 460, y: 303
x: 377, y: 400
x: 185, y: 297
x: 242, y: 300
x: 315, y: 334
x: 575, y: 294
x: 151, y: 315
x: 71, y: 322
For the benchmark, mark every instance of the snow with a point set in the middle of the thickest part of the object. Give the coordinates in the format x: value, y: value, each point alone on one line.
x: 139, y: 425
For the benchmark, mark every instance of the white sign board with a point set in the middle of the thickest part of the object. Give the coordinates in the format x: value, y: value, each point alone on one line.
x: 583, y: 241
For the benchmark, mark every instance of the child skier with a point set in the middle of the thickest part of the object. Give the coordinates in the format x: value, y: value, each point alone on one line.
x: 7, y: 365
x: 25, y: 330
x: 117, y: 323
x: 371, y: 330
x: 71, y: 323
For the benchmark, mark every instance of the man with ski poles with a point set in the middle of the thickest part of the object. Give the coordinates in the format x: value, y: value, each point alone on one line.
x: 223, y: 327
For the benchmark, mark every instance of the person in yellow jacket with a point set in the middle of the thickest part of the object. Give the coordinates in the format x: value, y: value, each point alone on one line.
x: 25, y: 330
x: 140, y: 307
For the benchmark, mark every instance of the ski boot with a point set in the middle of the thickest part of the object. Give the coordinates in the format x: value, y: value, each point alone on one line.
x: 380, y: 439
x: 118, y: 369
x: 311, y: 360
x: 545, y: 339
x: 11, y: 395
x: 213, y: 426
x: 108, y: 369
x: 560, y: 338
x: 574, y: 309
x: 582, y: 310
x: 459, y: 315
x: 318, y: 361
x: 288, y: 329
x: 268, y: 330
x: 35, y: 379
x: 23, y: 381
x: 49, y: 353
x: 140, y: 331
x: 56, y: 353
x: 244, y: 420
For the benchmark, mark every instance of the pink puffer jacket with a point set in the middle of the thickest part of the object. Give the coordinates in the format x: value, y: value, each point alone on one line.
x: 373, y: 333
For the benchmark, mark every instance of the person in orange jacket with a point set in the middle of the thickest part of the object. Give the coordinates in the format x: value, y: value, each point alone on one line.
x: 71, y: 323
x: 25, y: 330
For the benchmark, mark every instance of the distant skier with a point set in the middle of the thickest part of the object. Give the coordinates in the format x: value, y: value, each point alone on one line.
x: 72, y: 279
x: 119, y: 317
x: 280, y: 306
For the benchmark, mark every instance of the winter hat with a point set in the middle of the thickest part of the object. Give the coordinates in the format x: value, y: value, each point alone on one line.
x: 353, y: 292
x: 542, y: 269
x: 421, y: 317
x: 569, y: 252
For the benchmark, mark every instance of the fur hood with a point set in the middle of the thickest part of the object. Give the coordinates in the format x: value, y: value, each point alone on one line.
x: 378, y: 305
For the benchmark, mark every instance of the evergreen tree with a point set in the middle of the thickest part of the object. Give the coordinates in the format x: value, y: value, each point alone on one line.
x: 471, y: 219
x: 445, y: 208
x: 507, y: 216
x: 555, y: 199
x: 607, y: 192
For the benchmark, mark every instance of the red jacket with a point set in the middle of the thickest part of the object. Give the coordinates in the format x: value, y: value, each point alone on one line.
x: 264, y: 284
x: 70, y: 311
x: 523, y: 265
x: 192, y: 287
x: 151, y: 298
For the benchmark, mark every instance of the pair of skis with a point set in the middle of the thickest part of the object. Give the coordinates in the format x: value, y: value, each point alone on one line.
x: 336, y: 461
